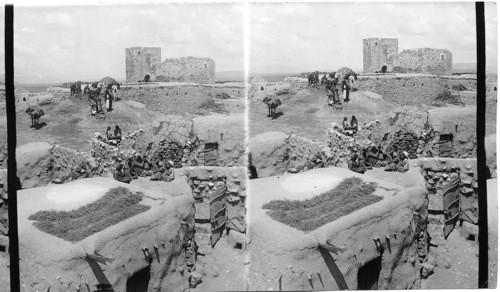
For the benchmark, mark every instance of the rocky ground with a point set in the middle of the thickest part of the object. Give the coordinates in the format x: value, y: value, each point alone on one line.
x: 306, y: 113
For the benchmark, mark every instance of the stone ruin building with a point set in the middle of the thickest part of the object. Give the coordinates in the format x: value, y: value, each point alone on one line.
x: 140, y: 62
x: 381, y: 55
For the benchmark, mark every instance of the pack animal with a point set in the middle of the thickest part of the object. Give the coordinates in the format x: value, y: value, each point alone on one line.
x: 313, y: 78
x: 272, y: 104
x: 75, y: 88
x: 35, y: 115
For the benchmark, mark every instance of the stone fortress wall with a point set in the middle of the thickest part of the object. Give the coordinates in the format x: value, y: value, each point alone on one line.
x: 185, y: 69
x: 380, y: 52
x: 432, y: 61
x: 140, y: 62
x: 413, y: 89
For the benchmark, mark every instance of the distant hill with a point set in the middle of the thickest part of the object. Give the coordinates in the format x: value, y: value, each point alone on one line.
x: 464, y: 68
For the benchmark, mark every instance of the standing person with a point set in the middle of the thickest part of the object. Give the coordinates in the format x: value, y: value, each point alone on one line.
x: 337, y: 89
x: 346, y: 87
x: 114, y: 91
x: 109, y: 95
x: 329, y: 92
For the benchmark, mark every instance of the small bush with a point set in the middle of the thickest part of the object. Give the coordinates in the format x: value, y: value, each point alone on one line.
x: 350, y: 195
x: 115, y: 206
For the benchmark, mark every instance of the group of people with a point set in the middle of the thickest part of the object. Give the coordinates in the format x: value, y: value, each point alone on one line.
x: 157, y: 167
x: 114, y: 137
x: 350, y: 128
x: 94, y: 92
x: 373, y: 156
x: 337, y: 85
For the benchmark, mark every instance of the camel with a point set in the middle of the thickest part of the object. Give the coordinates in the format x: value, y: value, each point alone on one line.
x: 272, y: 104
x: 75, y: 88
x: 35, y: 116
x: 313, y: 78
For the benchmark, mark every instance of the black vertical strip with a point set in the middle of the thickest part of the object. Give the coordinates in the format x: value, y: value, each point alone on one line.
x: 481, y: 153
x: 12, y: 182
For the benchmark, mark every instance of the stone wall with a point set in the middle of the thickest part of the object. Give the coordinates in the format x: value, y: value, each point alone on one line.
x: 378, y: 52
x: 40, y: 163
x: 140, y: 62
x: 411, y: 89
x: 430, y: 61
x: 4, y: 214
x: 188, y: 69
x: 205, y: 180
x: 179, y: 139
x: 437, y: 172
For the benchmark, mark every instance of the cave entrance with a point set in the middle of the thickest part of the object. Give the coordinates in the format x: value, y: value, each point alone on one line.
x: 368, y: 275
x: 445, y: 145
x: 384, y: 69
x: 139, y: 282
x: 211, y: 154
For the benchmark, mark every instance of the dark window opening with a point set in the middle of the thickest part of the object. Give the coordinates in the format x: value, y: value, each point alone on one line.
x: 262, y: 88
x: 211, y: 154
x: 185, y: 93
x: 445, y: 145
x: 139, y: 282
x: 422, y: 84
x: 2, y: 248
x: 384, y: 69
x: 494, y: 88
x: 368, y: 275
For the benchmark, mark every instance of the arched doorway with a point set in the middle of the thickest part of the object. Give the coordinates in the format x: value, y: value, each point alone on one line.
x: 384, y: 69
x: 139, y: 282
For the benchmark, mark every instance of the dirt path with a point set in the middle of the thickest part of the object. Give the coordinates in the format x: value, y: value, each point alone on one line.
x: 307, y: 114
x: 456, y: 259
x: 68, y: 122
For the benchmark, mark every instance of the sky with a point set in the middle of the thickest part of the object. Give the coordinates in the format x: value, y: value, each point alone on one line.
x: 88, y: 42
x: 298, y: 37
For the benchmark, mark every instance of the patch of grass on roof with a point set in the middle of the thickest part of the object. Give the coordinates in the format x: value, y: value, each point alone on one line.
x: 350, y: 195
x: 115, y: 206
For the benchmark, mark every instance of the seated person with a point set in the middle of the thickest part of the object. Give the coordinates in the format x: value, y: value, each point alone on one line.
x: 345, y: 124
x: 168, y: 174
x: 372, y: 155
x: 136, y: 166
x: 404, y: 163
x: 109, y: 133
x: 122, y: 174
x: 158, y: 167
x: 392, y: 161
x: 118, y: 134
x: 148, y: 166
x: 356, y: 163
x: 354, y: 124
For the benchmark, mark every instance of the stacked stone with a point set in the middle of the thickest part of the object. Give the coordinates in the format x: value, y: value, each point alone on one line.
x: 66, y: 165
x: 204, y: 181
x: 171, y: 151
x: 439, y: 171
x: 305, y: 154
